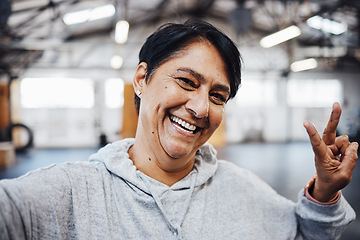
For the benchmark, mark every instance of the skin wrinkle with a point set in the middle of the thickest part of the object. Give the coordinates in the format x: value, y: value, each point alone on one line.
x: 201, y: 78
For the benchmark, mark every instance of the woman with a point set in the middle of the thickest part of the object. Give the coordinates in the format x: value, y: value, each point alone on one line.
x: 167, y: 183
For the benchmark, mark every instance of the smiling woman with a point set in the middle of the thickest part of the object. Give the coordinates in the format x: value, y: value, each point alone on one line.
x: 167, y: 183
x: 195, y: 88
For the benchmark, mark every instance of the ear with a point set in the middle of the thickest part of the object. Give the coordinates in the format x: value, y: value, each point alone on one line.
x: 139, y: 78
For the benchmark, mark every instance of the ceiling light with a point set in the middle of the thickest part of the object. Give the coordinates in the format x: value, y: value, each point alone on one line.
x: 303, y: 65
x: 326, y: 25
x: 280, y: 36
x: 89, y: 14
x: 121, y: 31
x: 116, y: 62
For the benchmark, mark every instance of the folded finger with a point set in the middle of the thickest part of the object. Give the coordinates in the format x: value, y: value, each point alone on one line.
x: 341, y: 143
x: 350, y: 158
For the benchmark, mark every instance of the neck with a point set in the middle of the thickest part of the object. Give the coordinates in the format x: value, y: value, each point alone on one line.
x: 164, y: 169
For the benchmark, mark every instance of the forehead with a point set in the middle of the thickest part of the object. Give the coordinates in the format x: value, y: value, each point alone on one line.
x: 201, y: 57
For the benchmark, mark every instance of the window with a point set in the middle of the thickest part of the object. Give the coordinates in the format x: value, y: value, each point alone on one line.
x: 57, y: 93
x: 114, y: 93
x: 257, y: 93
x: 313, y: 92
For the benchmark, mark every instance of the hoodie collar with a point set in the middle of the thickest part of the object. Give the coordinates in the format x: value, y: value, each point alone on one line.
x: 116, y: 159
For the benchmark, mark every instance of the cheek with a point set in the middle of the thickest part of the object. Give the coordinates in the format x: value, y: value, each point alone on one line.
x: 159, y: 99
x: 216, y: 117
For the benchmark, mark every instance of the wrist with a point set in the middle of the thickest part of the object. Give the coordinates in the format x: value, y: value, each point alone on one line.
x: 320, y: 194
x: 316, y: 196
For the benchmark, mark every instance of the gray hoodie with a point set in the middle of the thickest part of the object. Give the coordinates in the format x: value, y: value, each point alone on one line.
x: 108, y: 198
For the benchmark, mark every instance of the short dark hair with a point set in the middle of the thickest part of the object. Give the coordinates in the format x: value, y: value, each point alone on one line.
x: 171, y: 38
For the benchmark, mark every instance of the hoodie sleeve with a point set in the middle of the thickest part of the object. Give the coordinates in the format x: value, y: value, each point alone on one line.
x: 322, y: 221
x: 11, y: 222
x: 33, y: 205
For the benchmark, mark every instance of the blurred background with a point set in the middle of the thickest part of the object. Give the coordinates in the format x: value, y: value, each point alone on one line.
x: 66, y: 68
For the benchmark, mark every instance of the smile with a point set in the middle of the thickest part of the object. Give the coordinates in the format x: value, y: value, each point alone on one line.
x: 183, y: 124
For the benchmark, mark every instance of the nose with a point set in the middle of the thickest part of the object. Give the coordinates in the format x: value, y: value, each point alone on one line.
x: 198, y: 105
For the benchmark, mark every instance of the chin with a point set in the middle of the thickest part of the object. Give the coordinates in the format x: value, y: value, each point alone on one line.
x: 182, y: 152
x: 178, y: 153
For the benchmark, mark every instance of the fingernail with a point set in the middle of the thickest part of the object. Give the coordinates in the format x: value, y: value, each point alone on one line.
x: 355, y: 145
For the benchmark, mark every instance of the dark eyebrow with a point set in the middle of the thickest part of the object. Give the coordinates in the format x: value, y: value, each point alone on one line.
x: 222, y: 88
x: 201, y: 77
x: 197, y: 75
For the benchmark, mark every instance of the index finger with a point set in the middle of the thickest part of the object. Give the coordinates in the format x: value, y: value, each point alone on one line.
x: 329, y: 133
x: 317, y: 143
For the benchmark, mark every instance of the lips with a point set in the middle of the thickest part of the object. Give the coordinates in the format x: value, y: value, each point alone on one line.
x: 188, y: 127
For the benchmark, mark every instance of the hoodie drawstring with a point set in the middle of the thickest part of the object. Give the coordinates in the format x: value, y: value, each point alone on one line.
x: 174, y: 227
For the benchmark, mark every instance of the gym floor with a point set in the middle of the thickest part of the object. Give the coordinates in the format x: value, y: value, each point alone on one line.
x: 285, y: 166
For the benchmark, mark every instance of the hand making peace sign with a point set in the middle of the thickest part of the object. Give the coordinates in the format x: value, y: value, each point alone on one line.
x: 335, y: 158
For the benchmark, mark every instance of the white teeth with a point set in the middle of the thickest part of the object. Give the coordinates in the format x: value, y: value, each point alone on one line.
x: 184, y: 124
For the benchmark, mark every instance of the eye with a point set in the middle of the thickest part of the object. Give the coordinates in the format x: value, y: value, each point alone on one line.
x: 217, y: 98
x: 186, y: 83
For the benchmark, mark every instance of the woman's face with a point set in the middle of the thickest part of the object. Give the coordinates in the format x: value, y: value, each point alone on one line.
x: 182, y: 104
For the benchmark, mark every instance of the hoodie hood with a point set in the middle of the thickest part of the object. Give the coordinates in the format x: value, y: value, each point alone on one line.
x: 116, y: 159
